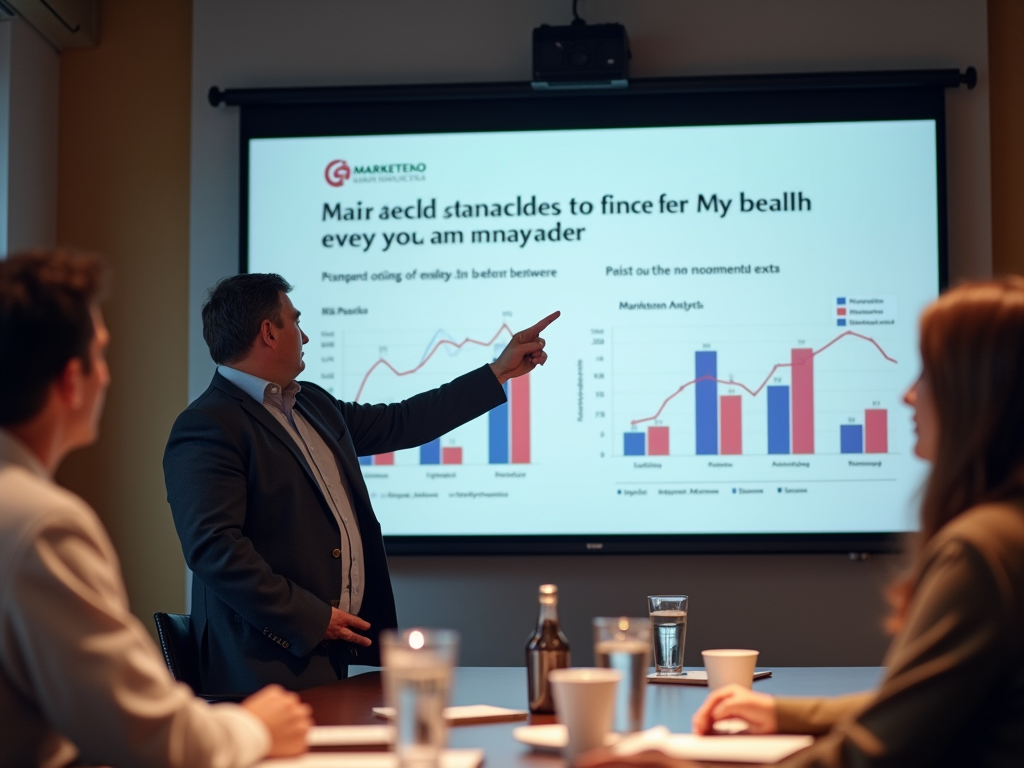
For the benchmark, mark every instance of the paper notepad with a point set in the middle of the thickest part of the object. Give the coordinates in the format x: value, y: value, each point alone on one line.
x: 450, y: 758
x: 350, y: 735
x: 733, y: 749
x: 468, y: 715
x: 696, y: 677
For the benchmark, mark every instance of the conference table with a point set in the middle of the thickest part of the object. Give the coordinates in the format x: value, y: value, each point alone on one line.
x: 350, y: 701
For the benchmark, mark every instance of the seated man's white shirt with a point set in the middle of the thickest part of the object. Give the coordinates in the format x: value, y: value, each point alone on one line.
x: 80, y: 678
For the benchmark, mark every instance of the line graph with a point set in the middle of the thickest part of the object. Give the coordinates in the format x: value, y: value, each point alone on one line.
x: 426, y: 358
x: 805, y: 359
x: 507, y: 434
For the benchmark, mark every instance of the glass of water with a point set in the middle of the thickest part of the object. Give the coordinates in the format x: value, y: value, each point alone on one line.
x: 668, y: 623
x: 417, y: 670
x: 624, y: 644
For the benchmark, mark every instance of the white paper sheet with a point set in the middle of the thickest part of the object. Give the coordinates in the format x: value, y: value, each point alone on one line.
x: 736, y: 749
x: 349, y: 735
x: 450, y: 758
x: 479, y: 712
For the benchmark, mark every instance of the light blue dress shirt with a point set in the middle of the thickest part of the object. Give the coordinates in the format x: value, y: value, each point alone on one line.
x: 321, y: 460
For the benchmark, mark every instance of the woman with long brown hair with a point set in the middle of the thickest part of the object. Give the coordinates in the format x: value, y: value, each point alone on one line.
x: 953, y: 692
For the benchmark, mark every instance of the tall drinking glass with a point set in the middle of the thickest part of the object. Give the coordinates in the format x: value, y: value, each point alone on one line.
x: 668, y: 622
x: 624, y: 644
x: 417, y: 673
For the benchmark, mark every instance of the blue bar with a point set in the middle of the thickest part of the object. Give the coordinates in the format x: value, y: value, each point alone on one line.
x: 497, y: 432
x: 430, y: 453
x: 851, y: 438
x: 366, y: 461
x: 778, y: 419
x: 633, y: 443
x: 707, y: 403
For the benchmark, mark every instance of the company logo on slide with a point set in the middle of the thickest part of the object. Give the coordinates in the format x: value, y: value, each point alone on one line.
x: 337, y: 173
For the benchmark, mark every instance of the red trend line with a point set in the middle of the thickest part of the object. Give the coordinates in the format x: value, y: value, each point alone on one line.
x: 457, y: 345
x: 754, y: 392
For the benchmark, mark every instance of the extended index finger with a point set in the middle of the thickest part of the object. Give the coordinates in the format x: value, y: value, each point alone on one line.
x: 353, y: 637
x: 534, y: 330
x: 351, y: 620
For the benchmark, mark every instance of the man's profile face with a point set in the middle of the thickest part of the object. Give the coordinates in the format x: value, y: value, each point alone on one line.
x: 83, y: 428
x: 290, y: 338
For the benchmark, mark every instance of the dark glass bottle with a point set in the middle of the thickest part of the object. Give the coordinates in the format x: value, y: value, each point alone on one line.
x: 547, y: 649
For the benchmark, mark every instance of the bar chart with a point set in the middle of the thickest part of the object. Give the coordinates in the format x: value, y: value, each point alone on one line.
x: 786, y: 412
x: 870, y: 436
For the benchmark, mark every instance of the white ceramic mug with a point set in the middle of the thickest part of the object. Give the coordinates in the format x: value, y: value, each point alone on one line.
x: 729, y: 666
x: 584, y: 703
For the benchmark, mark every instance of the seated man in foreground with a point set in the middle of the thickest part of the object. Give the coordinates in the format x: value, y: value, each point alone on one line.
x: 80, y: 678
x: 291, y: 581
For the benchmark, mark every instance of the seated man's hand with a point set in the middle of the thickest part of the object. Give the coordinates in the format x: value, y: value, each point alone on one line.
x: 285, y: 716
x: 524, y: 353
x: 758, y: 709
x: 341, y: 626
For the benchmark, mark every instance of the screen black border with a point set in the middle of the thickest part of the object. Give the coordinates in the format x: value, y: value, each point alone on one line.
x: 646, y: 103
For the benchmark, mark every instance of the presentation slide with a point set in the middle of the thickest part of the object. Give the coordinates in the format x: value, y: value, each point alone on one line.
x: 739, y: 317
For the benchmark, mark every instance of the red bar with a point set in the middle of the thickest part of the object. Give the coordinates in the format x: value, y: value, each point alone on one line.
x: 732, y: 425
x: 451, y: 455
x: 520, y: 403
x: 384, y: 458
x: 876, y: 430
x: 803, y: 400
x: 657, y: 441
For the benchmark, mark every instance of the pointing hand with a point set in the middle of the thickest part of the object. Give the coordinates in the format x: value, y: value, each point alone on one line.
x: 524, y: 352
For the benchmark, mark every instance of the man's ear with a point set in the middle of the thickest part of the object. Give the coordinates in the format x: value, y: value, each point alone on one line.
x: 267, y: 334
x: 70, y: 385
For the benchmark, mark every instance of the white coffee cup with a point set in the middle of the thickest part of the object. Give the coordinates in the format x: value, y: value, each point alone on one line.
x: 730, y: 666
x: 585, y: 703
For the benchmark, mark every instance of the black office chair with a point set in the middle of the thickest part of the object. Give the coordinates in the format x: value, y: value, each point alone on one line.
x: 175, y: 633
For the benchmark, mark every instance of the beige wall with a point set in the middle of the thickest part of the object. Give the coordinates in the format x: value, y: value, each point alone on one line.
x: 1006, y: 62
x: 123, y: 191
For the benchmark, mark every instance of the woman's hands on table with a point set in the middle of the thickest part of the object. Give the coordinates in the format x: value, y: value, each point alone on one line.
x: 757, y: 709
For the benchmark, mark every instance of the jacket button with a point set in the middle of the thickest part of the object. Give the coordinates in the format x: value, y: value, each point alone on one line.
x: 336, y: 553
x: 285, y: 644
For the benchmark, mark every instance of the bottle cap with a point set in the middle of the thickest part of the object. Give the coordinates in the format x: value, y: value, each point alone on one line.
x: 548, y: 589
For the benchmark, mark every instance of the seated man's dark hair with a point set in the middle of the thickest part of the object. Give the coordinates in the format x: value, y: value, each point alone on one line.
x: 46, y: 301
x: 234, y: 310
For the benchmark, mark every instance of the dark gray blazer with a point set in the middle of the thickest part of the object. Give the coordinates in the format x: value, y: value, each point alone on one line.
x: 259, y: 535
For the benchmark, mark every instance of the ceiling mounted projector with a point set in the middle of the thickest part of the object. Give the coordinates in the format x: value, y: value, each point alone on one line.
x: 580, y: 55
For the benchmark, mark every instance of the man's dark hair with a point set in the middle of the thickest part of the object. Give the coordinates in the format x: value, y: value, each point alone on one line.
x: 46, y: 301
x: 234, y: 311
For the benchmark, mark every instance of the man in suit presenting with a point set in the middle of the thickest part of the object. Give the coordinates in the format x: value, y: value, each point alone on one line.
x: 290, y: 579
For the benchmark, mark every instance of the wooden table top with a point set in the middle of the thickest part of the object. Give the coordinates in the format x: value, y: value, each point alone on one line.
x: 349, y: 702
